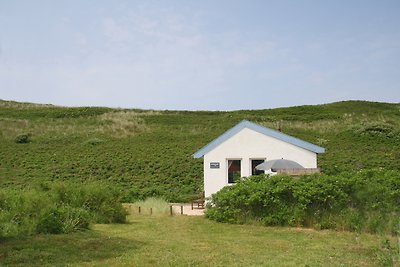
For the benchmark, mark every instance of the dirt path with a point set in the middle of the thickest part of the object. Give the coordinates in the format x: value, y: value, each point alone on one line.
x: 186, y: 209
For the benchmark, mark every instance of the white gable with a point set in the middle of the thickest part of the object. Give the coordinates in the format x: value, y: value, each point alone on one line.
x: 251, y: 144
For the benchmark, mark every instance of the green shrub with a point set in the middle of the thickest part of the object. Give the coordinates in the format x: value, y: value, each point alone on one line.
x: 20, y: 211
x: 51, y: 222
x: 59, y: 208
x: 22, y: 139
x: 364, y: 201
x: 64, y: 219
x: 377, y: 130
x: 102, y: 201
x: 132, y: 195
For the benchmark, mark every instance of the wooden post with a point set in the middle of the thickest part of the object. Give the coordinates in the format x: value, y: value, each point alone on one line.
x: 170, y: 210
x: 151, y: 211
x: 181, y: 210
x: 139, y: 209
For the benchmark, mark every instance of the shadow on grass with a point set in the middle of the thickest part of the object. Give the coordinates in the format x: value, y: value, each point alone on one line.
x: 59, y: 250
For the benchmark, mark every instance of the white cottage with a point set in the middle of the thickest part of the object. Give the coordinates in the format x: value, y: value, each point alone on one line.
x: 236, y: 153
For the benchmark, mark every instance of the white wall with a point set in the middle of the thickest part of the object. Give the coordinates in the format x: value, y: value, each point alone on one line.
x: 246, y: 145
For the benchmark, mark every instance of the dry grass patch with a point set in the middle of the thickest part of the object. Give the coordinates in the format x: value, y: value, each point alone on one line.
x: 122, y: 124
x: 158, y: 206
x: 22, y: 105
x: 115, y: 124
x: 328, y: 126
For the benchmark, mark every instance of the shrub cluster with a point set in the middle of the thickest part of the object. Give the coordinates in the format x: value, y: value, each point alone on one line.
x: 363, y: 201
x: 59, y: 208
x: 22, y: 139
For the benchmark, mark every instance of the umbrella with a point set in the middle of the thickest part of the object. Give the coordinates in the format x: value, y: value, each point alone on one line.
x: 279, y: 164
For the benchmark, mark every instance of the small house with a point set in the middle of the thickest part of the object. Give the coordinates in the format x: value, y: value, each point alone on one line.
x: 239, y: 150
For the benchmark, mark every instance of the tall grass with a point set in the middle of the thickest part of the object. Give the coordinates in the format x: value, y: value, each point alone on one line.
x: 122, y: 124
x: 157, y: 205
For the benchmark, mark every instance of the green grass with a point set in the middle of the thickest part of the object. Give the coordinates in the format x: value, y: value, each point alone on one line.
x: 195, y: 241
x: 148, y: 153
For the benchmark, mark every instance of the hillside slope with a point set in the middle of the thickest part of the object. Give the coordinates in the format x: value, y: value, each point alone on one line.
x: 146, y: 152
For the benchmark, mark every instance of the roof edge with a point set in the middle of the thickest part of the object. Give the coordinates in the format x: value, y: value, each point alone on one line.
x: 226, y: 135
x: 261, y: 129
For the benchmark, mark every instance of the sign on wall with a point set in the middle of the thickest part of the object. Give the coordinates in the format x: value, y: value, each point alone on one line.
x: 214, y: 165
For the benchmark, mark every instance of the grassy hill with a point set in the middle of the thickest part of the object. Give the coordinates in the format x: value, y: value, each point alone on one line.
x: 147, y: 152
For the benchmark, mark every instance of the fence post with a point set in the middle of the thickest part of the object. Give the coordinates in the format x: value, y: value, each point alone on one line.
x: 181, y: 210
x: 170, y: 209
x: 151, y: 211
x: 139, y: 209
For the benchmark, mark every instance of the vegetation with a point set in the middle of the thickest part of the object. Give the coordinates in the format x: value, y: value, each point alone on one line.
x: 57, y: 208
x: 364, y: 201
x: 158, y: 206
x: 196, y: 241
x: 63, y: 169
x: 146, y: 153
x: 22, y: 139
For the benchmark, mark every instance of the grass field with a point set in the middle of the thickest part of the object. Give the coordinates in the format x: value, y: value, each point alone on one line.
x: 149, y: 153
x: 196, y: 241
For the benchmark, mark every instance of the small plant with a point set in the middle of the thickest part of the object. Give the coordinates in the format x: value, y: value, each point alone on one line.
x: 387, y: 254
x: 22, y: 139
x: 94, y: 141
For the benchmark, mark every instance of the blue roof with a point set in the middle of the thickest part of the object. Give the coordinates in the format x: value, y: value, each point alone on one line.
x: 261, y: 129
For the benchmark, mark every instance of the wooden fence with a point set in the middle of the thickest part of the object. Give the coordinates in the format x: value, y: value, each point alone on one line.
x: 298, y: 172
x: 174, y: 209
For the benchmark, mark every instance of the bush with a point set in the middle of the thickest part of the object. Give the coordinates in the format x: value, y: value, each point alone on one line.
x: 22, y: 139
x: 364, y: 201
x: 59, y: 208
x: 102, y: 201
x: 20, y: 211
x: 62, y: 220
x: 377, y: 130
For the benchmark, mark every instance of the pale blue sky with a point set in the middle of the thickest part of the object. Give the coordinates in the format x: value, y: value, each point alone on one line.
x: 208, y: 55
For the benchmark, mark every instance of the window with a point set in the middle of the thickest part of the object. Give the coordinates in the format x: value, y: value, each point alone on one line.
x: 254, y: 163
x: 234, y: 170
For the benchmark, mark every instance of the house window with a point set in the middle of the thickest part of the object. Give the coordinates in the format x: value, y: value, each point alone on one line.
x: 234, y: 170
x: 254, y: 163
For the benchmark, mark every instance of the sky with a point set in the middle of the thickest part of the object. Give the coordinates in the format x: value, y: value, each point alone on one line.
x: 199, y: 55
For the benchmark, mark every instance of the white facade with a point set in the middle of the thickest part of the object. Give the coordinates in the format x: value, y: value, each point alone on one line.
x: 247, y: 144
